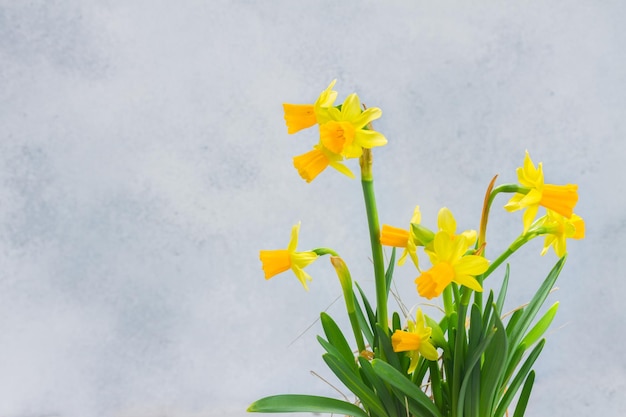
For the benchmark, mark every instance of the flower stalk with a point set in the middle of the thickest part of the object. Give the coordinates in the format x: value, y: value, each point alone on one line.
x: 367, y: 182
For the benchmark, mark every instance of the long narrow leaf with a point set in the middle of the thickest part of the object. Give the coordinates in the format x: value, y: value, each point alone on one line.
x: 402, y: 383
x: 293, y: 403
x: 493, y: 367
x: 519, y: 378
x: 337, y: 339
x: 355, y: 384
x: 537, y: 301
x: 364, y: 324
x: 470, y: 363
x: 542, y: 325
x: 503, y: 289
x: 382, y: 391
x: 371, y: 316
x: 389, y: 273
x: 522, y: 402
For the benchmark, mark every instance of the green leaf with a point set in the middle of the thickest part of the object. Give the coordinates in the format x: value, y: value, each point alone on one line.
x: 522, y: 402
x: 473, y: 359
x: 502, y: 293
x: 390, y: 268
x: 363, y: 322
x: 493, y: 367
x: 368, y: 308
x: 292, y: 403
x: 537, y: 301
x: 382, y: 391
x: 518, y: 379
x: 354, y: 383
x: 390, y: 355
x: 542, y: 325
x: 393, y: 377
x: 336, y: 338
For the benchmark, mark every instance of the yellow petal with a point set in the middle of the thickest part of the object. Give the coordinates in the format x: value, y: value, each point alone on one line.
x: 471, y: 265
x: 428, y: 351
x: 366, y: 117
x: 369, y: 138
x: 446, y: 221
x: 293, y: 241
x: 468, y: 281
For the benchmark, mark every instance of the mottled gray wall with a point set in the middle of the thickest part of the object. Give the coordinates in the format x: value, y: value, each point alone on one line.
x: 144, y: 161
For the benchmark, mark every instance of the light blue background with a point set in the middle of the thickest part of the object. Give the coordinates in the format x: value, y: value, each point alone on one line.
x: 144, y: 161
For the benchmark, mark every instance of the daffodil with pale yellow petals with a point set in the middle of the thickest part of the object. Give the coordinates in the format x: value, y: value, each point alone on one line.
x: 302, y: 116
x: 312, y: 163
x: 450, y: 264
x: 415, y: 341
x: 558, y: 198
x: 559, y: 228
x: 345, y: 132
x: 277, y: 261
x: 401, y: 238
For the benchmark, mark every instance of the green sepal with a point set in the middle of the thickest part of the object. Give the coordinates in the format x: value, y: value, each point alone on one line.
x: 294, y: 403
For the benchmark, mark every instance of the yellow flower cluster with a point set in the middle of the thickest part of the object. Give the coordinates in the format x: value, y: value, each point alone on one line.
x: 343, y: 129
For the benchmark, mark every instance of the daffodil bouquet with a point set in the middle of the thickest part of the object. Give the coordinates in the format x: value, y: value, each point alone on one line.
x: 472, y: 361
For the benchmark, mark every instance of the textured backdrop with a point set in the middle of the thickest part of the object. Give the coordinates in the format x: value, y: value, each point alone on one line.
x: 144, y: 161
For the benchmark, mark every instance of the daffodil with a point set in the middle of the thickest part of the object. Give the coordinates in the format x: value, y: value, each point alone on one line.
x: 280, y: 260
x: 302, y: 116
x: 401, y: 238
x: 415, y: 341
x: 558, y: 198
x: 559, y: 228
x: 450, y: 264
x: 312, y: 163
x: 345, y: 131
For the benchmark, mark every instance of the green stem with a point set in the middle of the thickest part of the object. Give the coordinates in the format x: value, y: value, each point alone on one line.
x: 367, y: 181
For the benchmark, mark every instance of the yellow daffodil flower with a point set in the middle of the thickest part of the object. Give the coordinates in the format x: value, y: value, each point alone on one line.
x: 345, y: 132
x: 276, y: 261
x: 302, y: 116
x: 401, y: 238
x: 450, y: 264
x: 416, y: 341
x: 559, y: 198
x: 560, y: 228
x: 312, y: 163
